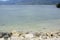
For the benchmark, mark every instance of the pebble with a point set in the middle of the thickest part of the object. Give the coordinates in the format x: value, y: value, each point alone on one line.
x: 34, y: 36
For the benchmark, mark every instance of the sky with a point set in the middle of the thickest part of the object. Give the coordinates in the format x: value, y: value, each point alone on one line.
x: 29, y: 1
x: 3, y: 0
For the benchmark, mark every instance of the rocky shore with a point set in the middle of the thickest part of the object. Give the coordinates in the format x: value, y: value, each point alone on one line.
x: 15, y: 35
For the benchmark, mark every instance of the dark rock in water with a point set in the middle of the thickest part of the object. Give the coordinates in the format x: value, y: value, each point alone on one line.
x: 44, y: 28
x: 2, y: 24
x: 58, y: 5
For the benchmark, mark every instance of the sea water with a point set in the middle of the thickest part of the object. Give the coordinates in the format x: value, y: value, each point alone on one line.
x: 29, y: 17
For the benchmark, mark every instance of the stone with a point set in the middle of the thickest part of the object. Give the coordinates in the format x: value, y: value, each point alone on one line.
x: 1, y: 34
x: 58, y: 5
x: 37, y: 34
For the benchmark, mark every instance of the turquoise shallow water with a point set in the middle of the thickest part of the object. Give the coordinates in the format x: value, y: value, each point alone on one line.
x: 29, y: 17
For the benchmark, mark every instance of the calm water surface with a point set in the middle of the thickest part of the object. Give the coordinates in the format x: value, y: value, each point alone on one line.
x: 29, y: 17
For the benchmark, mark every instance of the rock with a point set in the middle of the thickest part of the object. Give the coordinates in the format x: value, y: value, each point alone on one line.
x: 20, y: 33
x: 1, y: 34
x: 14, y: 38
x: 15, y: 33
x: 58, y: 34
x: 37, y: 34
x: 21, y: 38
x: 30, y: 35
x: 7, y: 34
x: 58, y: 5
x: 44, y: 36
x: 10, y: 34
